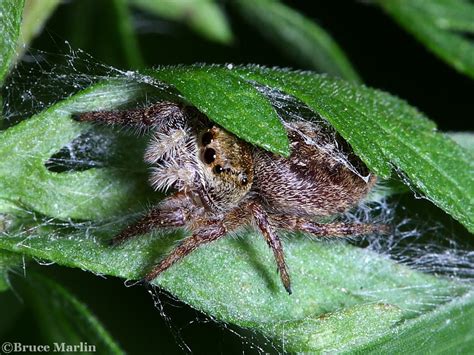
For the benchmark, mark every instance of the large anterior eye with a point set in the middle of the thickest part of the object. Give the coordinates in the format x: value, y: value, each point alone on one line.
x: 209, y: 155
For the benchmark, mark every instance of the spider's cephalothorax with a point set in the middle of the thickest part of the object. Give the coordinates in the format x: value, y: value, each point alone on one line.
x: 221, y: 183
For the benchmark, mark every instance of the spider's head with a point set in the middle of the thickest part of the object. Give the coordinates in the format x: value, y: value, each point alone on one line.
x: 227, y: 167
x: 211, y: 162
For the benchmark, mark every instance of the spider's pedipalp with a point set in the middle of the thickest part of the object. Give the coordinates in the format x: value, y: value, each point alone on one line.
x: 175, y: 162
x: 164, y: 146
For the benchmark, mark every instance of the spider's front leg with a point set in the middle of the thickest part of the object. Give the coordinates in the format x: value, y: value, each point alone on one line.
x: 204, y: 231
x: 208, y: 231
x: 188, y: 245
x: 162, y: 116
x: 173, y: 211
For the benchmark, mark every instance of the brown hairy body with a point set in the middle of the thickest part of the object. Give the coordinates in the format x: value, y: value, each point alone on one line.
x: 222, y: 184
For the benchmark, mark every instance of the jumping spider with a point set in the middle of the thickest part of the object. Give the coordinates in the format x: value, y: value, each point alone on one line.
x: 221, y: 183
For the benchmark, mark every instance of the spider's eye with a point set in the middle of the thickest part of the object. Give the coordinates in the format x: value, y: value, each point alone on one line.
x: 244, y: 181
x: 206, y: 138
x: 209, y: 155
x: 218, y: 169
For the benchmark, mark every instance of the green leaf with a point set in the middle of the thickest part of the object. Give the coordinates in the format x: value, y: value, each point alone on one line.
x: 8, y: 260
x: 464, y: 139
x: 10, y: 21
x: 204, y: 16
x: 337, y: 288
x: 441, y: 25
x: 90, y: 194
x: 446, y: 330
x: 341, y: 330
x: 231, y: 102
x: 298, y: 37
x: 63, y: 318
x: 386, y: 133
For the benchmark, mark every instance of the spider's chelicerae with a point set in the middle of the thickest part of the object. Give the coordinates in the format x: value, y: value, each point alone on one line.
x: 221, y: 183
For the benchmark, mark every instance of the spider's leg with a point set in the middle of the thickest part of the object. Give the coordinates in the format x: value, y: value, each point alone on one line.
x: 273, y: 242
x: 200, y: 237
x: 174, y: 211
x: 162, y: 114
x: 205, y: 230
x: 334, y: 229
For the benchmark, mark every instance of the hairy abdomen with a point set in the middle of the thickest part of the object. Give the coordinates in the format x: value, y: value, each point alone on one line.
x: 315, y: 180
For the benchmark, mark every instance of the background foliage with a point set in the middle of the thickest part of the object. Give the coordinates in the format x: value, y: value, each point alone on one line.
x: 364, y: 301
